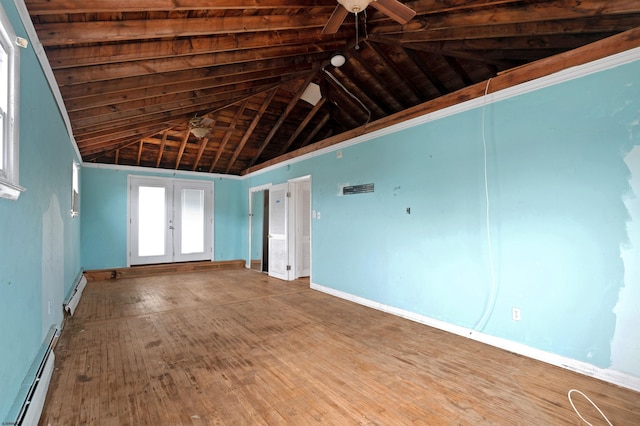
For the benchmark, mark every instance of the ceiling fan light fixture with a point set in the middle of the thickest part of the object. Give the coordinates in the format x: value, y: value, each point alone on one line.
x: 338, y: 60
x: 355, y: 6
x: 199, y: 132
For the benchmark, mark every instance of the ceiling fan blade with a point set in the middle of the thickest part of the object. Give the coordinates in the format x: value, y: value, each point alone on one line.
x: 395, y: 10
x: 336, y: 19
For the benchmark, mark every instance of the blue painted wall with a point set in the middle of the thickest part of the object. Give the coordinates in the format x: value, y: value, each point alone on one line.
x: 104, y: 216
x: 39, y: 241
x: 557, y: 185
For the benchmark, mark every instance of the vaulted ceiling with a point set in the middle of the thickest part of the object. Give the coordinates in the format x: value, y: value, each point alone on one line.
x: 136, y: 76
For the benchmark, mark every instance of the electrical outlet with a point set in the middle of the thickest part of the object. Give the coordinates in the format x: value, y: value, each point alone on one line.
x: 339, y: 154
x: 515, y: 314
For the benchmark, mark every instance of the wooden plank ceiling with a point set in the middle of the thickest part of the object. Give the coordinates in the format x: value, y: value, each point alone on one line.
x: 134, y: 74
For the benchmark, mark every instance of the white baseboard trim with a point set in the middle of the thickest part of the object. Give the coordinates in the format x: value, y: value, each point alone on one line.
x: 611, y: 376
x: 35, y: 406
x: 72, y: 304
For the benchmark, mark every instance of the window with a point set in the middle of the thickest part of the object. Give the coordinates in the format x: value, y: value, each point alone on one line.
x: 9, y: 107
x: 75, y: 190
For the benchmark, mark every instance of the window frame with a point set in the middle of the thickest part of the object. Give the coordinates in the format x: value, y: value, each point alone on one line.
x: 9, y: 169
x: 75, y: 189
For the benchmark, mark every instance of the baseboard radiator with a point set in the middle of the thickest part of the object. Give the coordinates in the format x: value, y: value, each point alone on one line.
x: 27, y: 409
x: 71, y: 304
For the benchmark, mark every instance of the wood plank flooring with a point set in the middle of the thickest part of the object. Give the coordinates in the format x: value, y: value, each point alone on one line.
x: 235, y: 347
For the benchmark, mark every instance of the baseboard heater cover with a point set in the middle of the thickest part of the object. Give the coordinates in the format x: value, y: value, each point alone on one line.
x: 72, y: 304
x: 29, y: 411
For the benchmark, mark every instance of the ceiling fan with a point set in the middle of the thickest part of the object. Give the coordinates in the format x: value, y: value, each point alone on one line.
x: 392, y: 8
x: 200, y: 126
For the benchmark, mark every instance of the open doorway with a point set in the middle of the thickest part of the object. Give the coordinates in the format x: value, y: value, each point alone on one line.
x: 280, y: 229
x: 258, y: 228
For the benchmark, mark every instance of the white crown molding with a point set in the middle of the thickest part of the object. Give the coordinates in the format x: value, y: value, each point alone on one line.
x: 149, y: 170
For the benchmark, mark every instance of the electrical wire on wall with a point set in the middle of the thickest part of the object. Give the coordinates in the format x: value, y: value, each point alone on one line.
x: 335, y: 80
x: 492, y: 296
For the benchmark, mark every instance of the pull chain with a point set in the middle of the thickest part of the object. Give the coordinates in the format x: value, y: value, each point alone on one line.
x: 357, y: 47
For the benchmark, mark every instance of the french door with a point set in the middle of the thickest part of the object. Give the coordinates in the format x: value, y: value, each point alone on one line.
x: 170, y: 220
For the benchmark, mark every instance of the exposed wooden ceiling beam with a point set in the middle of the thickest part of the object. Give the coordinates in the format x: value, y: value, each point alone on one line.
x: 78, y: 56
x: 213, y: 84
x: 283, y: 116
x: 315, y: 130
x: 231, y: 62
x: 162, y: 144
x: 528, y: 13
x: 250, y: 130
x: 426, y: 70
x: 530, y: 42
x: 369, y: 98
x: 413, y: 90
x: 203, y: 145
x: 543, y: 28
x: 139, y: 151
x: 169, y: 110
x: 197, y: 93
x: 47, y: 7
x: 460, y: 72
x: 100, y: 140
x: 70, y: 33
x: 182, y: 147
x: 303, y: 62
x: 430, y: 7
x: 397, y: 104
x: 227, y: 135
x: 303, y: 125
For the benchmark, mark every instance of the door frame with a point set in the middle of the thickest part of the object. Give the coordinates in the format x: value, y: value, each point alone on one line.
x: 210, y: 229
x: 291, y: 212
x: 264, y: 232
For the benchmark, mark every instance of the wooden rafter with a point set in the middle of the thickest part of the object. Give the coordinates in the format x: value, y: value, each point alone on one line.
x: 398, y: 74
x: 70, y: 33
x: 46, y: 7
x: 283, y: 116
x: 251, y: 128
x: 303, y: 125
x: 83, y: 56
x: 227, y: 136
x: 203, y: 146
x: 183, y: 145
x: 426, y: 70
x: 396, y: 102
x: 161, y: 152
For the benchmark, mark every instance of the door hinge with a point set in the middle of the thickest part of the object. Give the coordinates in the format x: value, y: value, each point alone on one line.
x: 288, y: 194
x: 288, y: 267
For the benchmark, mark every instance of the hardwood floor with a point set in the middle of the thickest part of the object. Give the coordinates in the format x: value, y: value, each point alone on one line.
x: 235, y: 347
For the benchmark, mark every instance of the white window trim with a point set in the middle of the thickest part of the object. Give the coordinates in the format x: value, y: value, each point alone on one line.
x: 9, y: 172
x: 75, y: 189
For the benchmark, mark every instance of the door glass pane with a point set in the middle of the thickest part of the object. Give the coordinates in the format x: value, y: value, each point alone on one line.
x: 192, y: 221
x: 277, y: 212
x: 151, y: 227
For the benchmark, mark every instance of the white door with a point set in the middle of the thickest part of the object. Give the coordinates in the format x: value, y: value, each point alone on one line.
x: 171, y: 220
x: 278, y: 225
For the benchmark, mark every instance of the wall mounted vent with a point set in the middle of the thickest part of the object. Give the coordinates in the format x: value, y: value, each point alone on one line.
x: 357, y: 189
